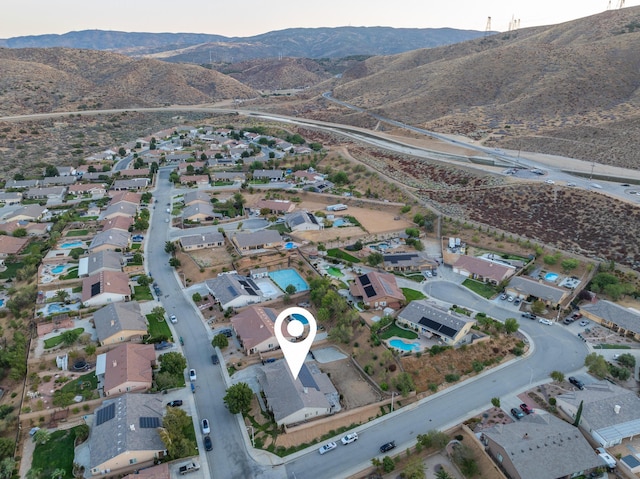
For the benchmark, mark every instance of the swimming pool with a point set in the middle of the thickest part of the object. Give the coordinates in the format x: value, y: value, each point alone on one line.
x: 58, y: 269
x: 551, y: 277
x: 53, y: 308
x: 73, y: 244
x: 339, y: 222
x: 300, y: 318
x: 267, y: 287
x: 1, y: 303
x: 289, y: 245
x: 285, y: 277
x: 333, y: 271
x: 400, y: 344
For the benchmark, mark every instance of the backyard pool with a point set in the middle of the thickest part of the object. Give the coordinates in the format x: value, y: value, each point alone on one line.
x: 300, y: 318
x: 551, y: 277
x: 403, y: 346
x: 289, y: 245
x: 285, y: 277
x: 1, y: 303
x: 339, y: 222
x: 333, y: 271
x: 267, y: 288
x: 54, y: 308
x: 72, y: 244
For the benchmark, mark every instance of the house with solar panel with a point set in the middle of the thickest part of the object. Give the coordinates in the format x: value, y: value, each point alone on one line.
x: 303, y: 221
x: 106, y: 287
x: 377, y: 290
x: 402, y: 262
x: 434, y: 322
x: 125, y: 434
x: 234, y: 291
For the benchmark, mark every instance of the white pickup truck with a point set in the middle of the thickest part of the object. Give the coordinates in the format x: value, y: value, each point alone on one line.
x: 607, y: 458
x: 189, y: 467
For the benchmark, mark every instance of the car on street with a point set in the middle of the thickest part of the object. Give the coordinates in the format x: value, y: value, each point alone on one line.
x: 181, y: 341
x: 349, y: 438
x: 205, y: 427
x: 550, y: 182
x: 526, y: 409
x: 584, y: 322
x: 548, y: 322
x: 175, y: 403
x: 576, y: 382
x: 576, y: 315
x: 208, y: 443
x: 529, y: 316
x: 173, y: 319
x: 388, y: 446
x: 214, y: 359
x: 192, y: 375
x: 517, y: 413
x: 571, y: 184
x: 330, y: 446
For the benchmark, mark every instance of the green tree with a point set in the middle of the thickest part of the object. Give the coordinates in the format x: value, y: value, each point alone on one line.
x: 538, y: 307
x: 158, y: 312
x: 122, y: 152
x: 557, y: 376
x: 196, y: 297
x: 433, y: 438
x: 174, y: 423
x: 597, y: 365
x: 70, y: 336
x: 511, y: 325
x: 290, y: 289
x: 569, y: 264
x: 174, y: 262
x: 51, y: 170
x: 7, y: 467
x: 41, y: 436
x: 220, y: 341
x: 495, y: 402
x: 576, y: 423
x: 404, y: 383
x: 173, y: 363
x: 627, y: 360
x: 464, y: 457
x: 19, y: 233
x: 238, y: 398
x: 387, y: 464
x: 143, y: 279
x: 374, y: 259
x: 414, y: 470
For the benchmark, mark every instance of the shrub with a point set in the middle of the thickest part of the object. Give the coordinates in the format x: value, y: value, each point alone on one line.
x: 452, y: 378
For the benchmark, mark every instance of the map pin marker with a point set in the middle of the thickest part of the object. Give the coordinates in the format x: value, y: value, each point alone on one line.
x: 295, y: 353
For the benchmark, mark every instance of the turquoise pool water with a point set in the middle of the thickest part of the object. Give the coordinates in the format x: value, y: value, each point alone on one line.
x: 285, y: 277
x: 1, y: 303
x: 339, y: 222
x: 333, y: 271
x: 289, y: 245
x: 58, y: 269
x: 551, y: 277
x: 300, y: 318
x: 400, y: 344
x: 73, y: 244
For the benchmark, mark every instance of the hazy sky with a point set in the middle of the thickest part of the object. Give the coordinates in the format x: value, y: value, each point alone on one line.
x: 251, y: 17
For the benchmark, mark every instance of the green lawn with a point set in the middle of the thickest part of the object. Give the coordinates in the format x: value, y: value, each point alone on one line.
x: 136, y: 246
x: 11, y: 270
x: 280, y: 228
x: 412, y: 294
x: 158, y: 328
x: 343, y: 255
x: 394, y: 330
x: 53, y: 342
x: 57, y: 453
x: 78, y: 233
x: 84, y: 386
x: 142, y: 293
x: 483, y: 289
x: 72, y: 273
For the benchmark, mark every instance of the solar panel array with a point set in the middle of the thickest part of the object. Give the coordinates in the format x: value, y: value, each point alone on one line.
x: 364, y: 279
x: 247, y: 287
x: 95, y: 289
x: 105, y: 414
x: 149, y: 422
x: 369, y: 291
x: 307, y: 379
x: 438, y: 328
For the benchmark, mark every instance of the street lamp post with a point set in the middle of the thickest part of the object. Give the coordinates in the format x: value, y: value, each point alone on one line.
x: 393, y: 394
x: 253, y: 444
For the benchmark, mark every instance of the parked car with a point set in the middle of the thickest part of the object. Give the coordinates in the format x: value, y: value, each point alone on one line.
x: 503, y: 296
x: 576, y: 315
x: 568, y: 320
x: 162, y: 345
x: 548, y: 322
x: 584, y: 322
x: 526, y: 409
x: 173, y: 319
x: 349, y: 438
x: 181, y: 341
x: 550, y: 182
x: 576, y: 382
x: 205, y: 427
x: 517, y: 413
x: 227, y: 332
x: 330, y: 446
x: 214, y: 359
x: 517, y: 301
x: 510, y: 298
x: 192, y: 375
x: 388, y: 446
x: 208, y: 443
x: 529, y: 316
x: 175, y: 403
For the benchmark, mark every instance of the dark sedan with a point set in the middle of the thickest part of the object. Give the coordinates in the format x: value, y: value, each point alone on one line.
x: 388, y: 446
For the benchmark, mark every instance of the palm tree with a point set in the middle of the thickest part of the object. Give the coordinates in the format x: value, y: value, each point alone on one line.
x: 62, y: 295
x: 58, y: 473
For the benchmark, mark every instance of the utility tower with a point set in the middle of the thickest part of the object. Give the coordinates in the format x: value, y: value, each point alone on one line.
x: 488, y: 27
x: 514, y: 24
x: 620, y: 3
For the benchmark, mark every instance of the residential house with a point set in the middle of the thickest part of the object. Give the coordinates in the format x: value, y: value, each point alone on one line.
x: 160, y: 471
x: 117, y: 222
x: 198, y: 180
x: 27, y: 213
x: 303, y: 221
x: 307, y: 177
x: 10, y: 245
x: 430, y: 320
x: 609, y: 415
x: 105, y: 287
x: 484, y: 270
x: 377, y: 290
x: 66, y: 170
x: 258, y: 240
x: 134, y: 184
x: 21, y: 184
x: 524, y: 288
x: 271, y: 175
x: 94, y: 190
x: 119, y: 323
x: 58, y: 180
x: 198, y: 212
x: 622, y: 320
x: 54, y: 193
x: 113, y: 239
x: 197, y: 196
x: 230, y: 176
x: 276, y: 206
x: 121, y: 208
x: 407, y: 262
x: 196, y: 166
x: 125, y: 434
x: 254, y: 329
x: 126, y: 368
x: 540, y: 446
x: 106, y: 260
x: 125, y: 196
x: 178, y: 157
x: 33, y: 229
x: 97, y: 176
x: 233, y: 290
x: 293, y: 401
x: 135, y: 173
x: 10, y: 197
x: 201, y: 241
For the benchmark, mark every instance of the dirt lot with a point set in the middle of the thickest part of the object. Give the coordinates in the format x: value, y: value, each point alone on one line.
x: 355, y: 391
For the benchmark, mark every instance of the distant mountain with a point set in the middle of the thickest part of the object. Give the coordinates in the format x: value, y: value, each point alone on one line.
x: 292, y: 42
x: 36, y: 80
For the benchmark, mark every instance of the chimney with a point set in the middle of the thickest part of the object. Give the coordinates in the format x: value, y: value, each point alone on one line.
x: 113, y: 322
x: 616, y: 409
x: 115, y: 363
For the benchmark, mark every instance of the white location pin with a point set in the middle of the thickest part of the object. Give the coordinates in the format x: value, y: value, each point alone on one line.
x: 295, y: 353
